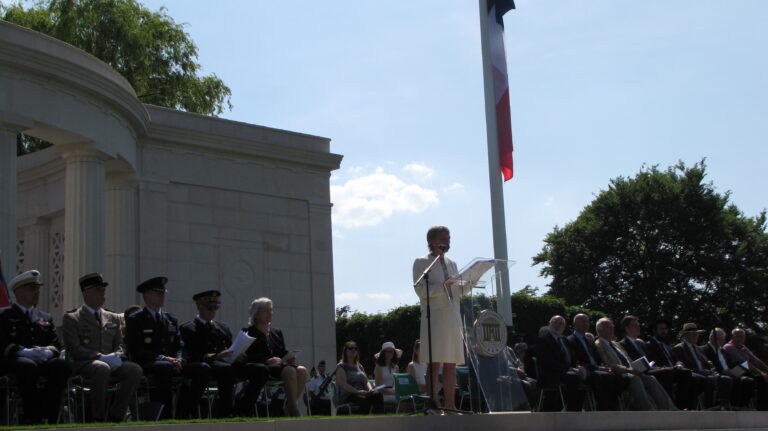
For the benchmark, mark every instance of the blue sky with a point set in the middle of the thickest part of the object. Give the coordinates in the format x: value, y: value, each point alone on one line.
x: 597, y: 88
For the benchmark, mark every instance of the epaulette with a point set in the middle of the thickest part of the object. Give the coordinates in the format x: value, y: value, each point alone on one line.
x: 71, y: 311
x: 135, y: 312
x: 107, y: 309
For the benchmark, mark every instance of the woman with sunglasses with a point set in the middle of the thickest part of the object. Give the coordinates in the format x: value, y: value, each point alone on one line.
x: 269, y: 348
x: 352, y: 382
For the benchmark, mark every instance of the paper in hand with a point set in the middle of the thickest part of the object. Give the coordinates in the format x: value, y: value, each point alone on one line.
x: 241, y: 343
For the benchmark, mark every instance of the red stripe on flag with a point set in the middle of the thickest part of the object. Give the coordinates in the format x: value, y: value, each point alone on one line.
x: 504, y: 131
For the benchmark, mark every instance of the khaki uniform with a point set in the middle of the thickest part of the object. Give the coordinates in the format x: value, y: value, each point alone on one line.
x: 85, y: 339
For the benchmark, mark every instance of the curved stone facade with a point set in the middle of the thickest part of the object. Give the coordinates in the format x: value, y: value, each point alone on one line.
x: 135, y: 191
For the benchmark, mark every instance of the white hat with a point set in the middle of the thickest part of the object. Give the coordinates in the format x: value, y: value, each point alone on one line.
x: 389, y: 345
x: 28, y: 278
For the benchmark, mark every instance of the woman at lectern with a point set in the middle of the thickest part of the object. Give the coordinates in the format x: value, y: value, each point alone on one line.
x: 447, y: 343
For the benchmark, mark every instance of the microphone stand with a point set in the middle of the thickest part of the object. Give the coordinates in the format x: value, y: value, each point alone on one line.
x: 431, y: 405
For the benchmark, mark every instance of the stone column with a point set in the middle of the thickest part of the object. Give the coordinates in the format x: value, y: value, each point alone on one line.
x: 84, y: 245
x: 122, y: 234
x: 8, y: 201
x: 36, y: 255
x: 321, y: 268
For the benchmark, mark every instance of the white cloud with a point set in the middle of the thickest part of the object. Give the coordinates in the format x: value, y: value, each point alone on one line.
x: 348, y: 296
x: 549, y: 201
x: 379, y: 296
x: 454, y: 187
x: 419, y: 171
x: 369, y: 199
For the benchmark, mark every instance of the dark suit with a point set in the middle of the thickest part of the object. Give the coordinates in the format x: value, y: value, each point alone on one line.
x: 607, y: 386
x: 17, y: 332
x: 688, y: 384
x: 692, y: 358
x: 555, y: 360
x: 202, y: 342
x: 636, y: 349
x: 743, y: 387
x: 147, y: 340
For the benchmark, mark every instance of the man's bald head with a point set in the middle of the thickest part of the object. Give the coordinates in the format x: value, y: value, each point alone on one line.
x: 557, y: 324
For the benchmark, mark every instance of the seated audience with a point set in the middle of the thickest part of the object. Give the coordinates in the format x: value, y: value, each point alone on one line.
x: 269, y: 349
x: 718, y: 388
x: 517, y: 365
x: 352, y: 382
x: 737, y: 353
x: 206, y: 342
x: 743, y: 386
x: 688, y: 385
x: 386, y: 366
x: 417, y: 369
x: 645, y: 391
x: 679, y: 382
x: 154, y: 342
x: 319, y: 391
x: 558, y: 365
x: 31, y: 351
x: 94, y: 341
x: 606, y: 385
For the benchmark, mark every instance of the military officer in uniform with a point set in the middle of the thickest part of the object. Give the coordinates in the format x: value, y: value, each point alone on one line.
x: 30, y: 350
x: 206, y: 344
x: 154, y: 342
x: 94, y: 341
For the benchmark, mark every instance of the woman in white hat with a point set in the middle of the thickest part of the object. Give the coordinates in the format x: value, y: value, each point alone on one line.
x: 386, y: 365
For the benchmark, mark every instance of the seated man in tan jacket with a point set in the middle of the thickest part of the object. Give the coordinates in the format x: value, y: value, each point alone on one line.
x: 94, y: 341
x: 646, y: 392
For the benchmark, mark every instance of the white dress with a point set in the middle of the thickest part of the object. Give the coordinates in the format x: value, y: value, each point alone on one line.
x: 448, y: 345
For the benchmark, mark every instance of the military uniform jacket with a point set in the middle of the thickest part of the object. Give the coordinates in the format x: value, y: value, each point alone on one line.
x: 202, y: 342
x: 18, y: 332
x: 147, y: 338
x: 85, y: 337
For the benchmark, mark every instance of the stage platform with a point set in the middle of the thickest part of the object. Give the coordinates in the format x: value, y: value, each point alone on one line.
x: 523, y: 421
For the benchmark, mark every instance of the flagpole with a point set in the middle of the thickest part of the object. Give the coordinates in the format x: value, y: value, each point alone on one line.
x: 494, y: 172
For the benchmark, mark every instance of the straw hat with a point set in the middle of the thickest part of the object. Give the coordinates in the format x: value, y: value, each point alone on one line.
x: 389, y: 345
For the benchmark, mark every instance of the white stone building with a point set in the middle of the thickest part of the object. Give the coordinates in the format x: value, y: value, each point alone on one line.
x: 135, y: 191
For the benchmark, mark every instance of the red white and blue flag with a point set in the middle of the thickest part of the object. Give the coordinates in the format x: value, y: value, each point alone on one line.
x: 496, y: 11
x: 5, y: 296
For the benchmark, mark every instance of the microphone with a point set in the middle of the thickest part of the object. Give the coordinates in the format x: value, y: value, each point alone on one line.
x: 444, y: 247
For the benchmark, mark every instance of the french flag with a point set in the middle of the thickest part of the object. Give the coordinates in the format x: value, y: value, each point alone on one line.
x: 496, y: 10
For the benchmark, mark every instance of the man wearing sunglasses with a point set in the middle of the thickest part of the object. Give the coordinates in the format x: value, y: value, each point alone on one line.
x: 205, y: 345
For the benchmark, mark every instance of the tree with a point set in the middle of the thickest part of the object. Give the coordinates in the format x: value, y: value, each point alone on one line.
x: 663, y: 244
x: 148, y: 48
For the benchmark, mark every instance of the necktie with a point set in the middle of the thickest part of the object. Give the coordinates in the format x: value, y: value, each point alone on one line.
x: 695, y: 356
x: 98, y: 318
x: 666, y: 353
x: 640, y: 348
x: 623, y: 359
x: 586, y: 348
x: 29, y: 315
x: 720, y: 357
